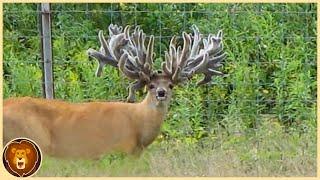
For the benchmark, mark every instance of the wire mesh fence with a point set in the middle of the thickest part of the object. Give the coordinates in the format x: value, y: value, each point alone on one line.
x: 271, y: 56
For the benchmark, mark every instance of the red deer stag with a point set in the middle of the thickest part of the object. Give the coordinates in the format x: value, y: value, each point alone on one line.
x: 89, y: 130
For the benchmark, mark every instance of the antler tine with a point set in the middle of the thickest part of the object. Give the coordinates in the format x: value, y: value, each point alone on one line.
x: 196, y: 41
x: 170, y: 58
x: 114, y: 30
x: 182, y: 59
x: 193, y: 60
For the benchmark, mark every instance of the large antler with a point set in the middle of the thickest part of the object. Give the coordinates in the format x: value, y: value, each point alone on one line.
x: 181, y: 65
x: 128, y: 53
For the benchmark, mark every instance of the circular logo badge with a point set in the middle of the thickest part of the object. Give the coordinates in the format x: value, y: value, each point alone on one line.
x: 22, y: 157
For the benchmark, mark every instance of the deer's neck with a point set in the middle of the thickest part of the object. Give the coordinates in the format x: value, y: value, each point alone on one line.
x: 153, y: 105
x: 152, y: 115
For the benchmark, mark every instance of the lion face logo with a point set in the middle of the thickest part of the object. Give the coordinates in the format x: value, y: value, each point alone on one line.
x: 22, y: 157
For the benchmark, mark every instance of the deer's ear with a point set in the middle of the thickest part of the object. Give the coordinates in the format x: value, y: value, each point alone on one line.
x: 13, y: 150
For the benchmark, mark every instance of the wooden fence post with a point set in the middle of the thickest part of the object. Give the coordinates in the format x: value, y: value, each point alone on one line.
x: 46, y: 50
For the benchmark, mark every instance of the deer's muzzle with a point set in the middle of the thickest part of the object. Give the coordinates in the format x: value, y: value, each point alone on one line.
x: 161, y: 94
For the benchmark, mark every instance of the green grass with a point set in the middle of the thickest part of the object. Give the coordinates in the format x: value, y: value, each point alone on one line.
x: 267, y: 151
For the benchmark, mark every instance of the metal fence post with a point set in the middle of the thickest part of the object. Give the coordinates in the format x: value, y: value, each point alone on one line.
x: 46, y: 50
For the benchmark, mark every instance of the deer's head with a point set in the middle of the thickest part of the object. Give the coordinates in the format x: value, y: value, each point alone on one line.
x: 128, y: 53
x: 160, y: 89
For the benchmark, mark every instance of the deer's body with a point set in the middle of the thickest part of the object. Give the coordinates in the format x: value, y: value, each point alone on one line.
x: 83, y: 129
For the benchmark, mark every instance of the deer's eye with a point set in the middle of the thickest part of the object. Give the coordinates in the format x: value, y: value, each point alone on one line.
x: 151, y: 86
x: 170, y: 86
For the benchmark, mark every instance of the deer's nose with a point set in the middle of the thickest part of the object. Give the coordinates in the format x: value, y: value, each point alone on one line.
x: 161, y: 92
